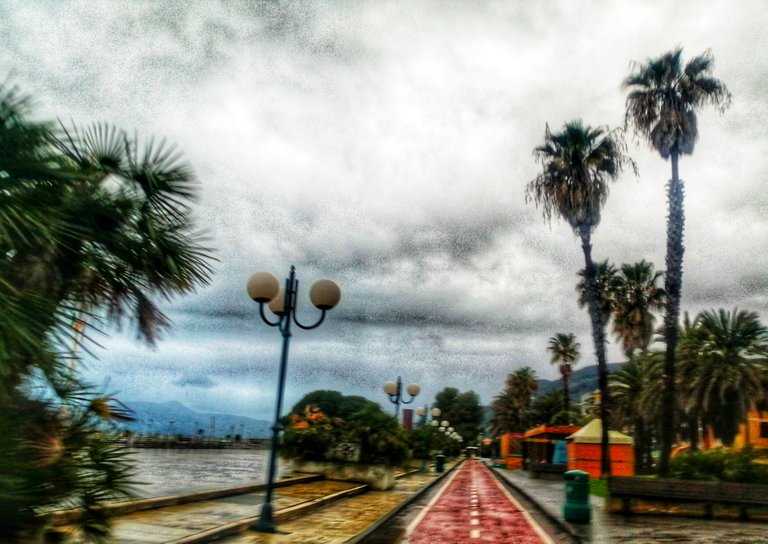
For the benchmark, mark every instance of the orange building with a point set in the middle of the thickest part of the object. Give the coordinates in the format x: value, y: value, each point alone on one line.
x: 544, y: 448
x: 754, y: 432
x: 584, y: 451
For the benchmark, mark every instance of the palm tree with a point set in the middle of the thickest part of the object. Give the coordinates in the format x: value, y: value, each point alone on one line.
x: 511, y: 408
x: 663, y: 99
x: 635, y: 296
x: 606, y: 278
x: 506, y: 413
x: 577, y: 165
x: 635, y: 404
x: 732, y: 357
x: 93, y: 229
x: 565, y: 351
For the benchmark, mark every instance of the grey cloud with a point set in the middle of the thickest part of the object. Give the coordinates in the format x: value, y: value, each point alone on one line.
x: 390, y: 153
x: 204, y: 382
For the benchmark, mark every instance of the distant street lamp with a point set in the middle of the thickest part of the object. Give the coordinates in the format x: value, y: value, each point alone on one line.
x: 395, y: 392
x: 265, y: 289
x: 426, y: 414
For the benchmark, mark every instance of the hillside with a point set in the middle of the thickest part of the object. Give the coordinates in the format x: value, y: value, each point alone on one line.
x: 583, y: 380
x: 175, y: 418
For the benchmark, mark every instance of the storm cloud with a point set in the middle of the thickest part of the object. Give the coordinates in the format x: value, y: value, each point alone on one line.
x: 386, y: 145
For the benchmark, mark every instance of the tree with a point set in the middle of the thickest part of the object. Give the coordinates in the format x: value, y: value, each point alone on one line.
x: 546, y: 408
x: 333, y: 404
x: 632, y: 388
x: 726, y: 382
x: 94, y: 227
x: 636, y: 295
x: 511, y: 408
x: 606, y: 279
x: 462, y: 410
x: 664, y: 97
x: 577, y: 165
x: 564, y: 350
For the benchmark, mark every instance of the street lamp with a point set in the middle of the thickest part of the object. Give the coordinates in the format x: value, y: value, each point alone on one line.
x: 425, y: 414
x: 264, y: 288
x: 395, y: 392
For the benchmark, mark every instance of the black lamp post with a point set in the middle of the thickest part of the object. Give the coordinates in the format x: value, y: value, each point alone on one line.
x: 265, y: 289
x: 395, y: 392
x: 427, y: 415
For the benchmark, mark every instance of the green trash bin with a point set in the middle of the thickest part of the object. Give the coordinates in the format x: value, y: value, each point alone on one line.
x: 577, y: 507
x: 439, y: 463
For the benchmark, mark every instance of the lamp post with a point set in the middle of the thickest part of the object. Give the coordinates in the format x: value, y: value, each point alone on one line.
x: 395, y: 392
x: 264, y: 288
x: 426, y: 414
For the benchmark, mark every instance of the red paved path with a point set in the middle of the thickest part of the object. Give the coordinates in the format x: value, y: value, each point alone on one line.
x: 474, y: 507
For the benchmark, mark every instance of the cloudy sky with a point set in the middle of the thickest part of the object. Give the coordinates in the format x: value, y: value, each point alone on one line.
x: 386, y: 145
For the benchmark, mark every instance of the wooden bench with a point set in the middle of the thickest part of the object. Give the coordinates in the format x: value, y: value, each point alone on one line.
x: 693, y: 491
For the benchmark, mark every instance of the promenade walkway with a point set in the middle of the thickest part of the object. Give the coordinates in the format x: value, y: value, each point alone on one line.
x: 320, y: 511
x: 474, y: 507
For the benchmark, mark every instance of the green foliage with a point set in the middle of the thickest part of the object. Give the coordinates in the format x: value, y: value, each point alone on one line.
x: 462, y: 410
x: 313, y: 443
x: 510, y: 412
x: 721, y: 464
x: 94, y: 228
x: 379, y: 435
x: 60, y: 454
x: 382, y: 440
x: 598, y: 487
x: 546, y: 407
x: 333, y: 404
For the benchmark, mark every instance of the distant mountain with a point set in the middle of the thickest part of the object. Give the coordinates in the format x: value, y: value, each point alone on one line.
x: 175, y: 418
x: 583, y: 380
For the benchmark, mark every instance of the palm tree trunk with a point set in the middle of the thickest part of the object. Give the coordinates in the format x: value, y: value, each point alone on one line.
x: 693, y: 430
x: 566, y: 397
x: 639, y: 442
x: 673, y: 286
x: 598, y: 336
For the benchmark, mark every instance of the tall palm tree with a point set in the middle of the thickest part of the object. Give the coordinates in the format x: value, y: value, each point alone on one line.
x: 564, y: 351
x: 732, y: 359
x: 577, y: 165
x: 664, y: 96
x: 636, y: 295
x: 606, y: 278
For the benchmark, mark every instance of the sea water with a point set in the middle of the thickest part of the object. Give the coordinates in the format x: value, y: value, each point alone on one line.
x: 161, y: 472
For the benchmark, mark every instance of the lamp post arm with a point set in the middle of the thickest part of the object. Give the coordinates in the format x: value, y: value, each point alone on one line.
x: 310, y: 327
x: 265, y: 318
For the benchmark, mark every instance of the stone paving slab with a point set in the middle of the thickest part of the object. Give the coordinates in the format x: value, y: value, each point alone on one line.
x: 342, y: 521
x: 174, y: 522
x: 322, y: 511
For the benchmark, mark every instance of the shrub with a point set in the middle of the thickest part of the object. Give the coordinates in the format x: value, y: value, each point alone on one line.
x: 721, y: 464
x: 314, y: 436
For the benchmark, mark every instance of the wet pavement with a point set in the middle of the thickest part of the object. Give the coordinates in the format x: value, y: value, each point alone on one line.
x: 324, y: 511
x: 609, y: 528
x: 474, y: 507
x: 348, y: 520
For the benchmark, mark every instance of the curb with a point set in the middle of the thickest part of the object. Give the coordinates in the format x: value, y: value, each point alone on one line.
x: 554, y: 519
x: 66, y: 516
